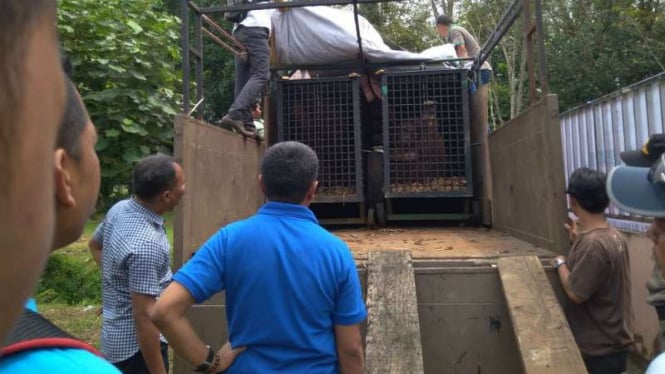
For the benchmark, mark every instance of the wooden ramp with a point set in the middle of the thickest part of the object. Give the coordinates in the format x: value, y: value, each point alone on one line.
x: 545, y: 341
x: 393, y: 329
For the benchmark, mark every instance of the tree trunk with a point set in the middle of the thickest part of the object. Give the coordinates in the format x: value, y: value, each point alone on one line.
x: 448, y: 6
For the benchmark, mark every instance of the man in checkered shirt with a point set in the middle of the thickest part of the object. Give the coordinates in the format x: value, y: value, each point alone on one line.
x: 134, y: 253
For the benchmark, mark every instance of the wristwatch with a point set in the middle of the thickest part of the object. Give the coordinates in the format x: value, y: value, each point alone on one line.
x: 208, y: 363
x: 558, y: 262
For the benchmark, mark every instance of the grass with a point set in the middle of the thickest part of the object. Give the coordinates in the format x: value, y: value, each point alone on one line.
x: 83, y: 322
x: 81, y: 318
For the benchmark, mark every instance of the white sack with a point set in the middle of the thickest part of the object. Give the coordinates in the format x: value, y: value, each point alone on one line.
x: 440, y: 52
x: 324, y: 35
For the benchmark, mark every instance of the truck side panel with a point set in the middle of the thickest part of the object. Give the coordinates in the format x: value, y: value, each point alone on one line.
x: 528, y: 177
x: 221, y: 178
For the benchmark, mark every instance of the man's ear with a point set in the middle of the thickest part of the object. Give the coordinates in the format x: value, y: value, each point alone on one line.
x: 63, y: 182
x: 263, y: 187
x: 311, y: 192
x: 166, y: 196
x: 573, y: 202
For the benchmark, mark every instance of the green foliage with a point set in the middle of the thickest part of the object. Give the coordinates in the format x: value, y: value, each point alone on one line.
x: 125, y: 55
x: 67, y: 279
x: 408, y: 24
x: 598, y: 46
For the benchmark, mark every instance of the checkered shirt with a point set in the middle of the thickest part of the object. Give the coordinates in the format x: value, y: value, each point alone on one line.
x: 135, y: 259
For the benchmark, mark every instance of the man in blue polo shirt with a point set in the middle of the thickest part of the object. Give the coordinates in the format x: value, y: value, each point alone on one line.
x: 293, y: 298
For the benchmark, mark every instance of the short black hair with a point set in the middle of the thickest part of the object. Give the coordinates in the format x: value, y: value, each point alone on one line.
x: 288, y: 170
x: 153, y: 175
x: 588, y: 187
x: 444, y: 20
x: 74, y: 121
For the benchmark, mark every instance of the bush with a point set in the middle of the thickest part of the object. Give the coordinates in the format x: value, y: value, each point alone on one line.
x: 68, y: 280
x: 126, y: 59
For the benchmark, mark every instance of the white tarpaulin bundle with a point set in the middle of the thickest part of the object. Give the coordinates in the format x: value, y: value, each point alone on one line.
x: 325, y: 35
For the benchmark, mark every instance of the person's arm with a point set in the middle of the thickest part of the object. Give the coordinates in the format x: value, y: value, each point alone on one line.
x: 95, y: 244
x: 572, y: 229
x: 564, y: 276
x: 655, y: 233
x: 169, y: 314
x: 96, y: 251
x: 144, y: 275
x: 349, y: 349
x: 461, y: 51
x: 659, y: 256
x: 590, y: 272
x: 349, y: 312
x: 147, y: 333
x: 457, y: 38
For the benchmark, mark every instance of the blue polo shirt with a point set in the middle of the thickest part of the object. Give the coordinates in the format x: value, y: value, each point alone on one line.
x: 55, y: 360
x: 288, y: 282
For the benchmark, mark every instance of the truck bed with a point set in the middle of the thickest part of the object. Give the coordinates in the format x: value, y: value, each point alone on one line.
x: 438, y: 242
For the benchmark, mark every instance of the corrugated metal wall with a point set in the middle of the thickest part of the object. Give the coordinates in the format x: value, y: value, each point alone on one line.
x: 594, y: 134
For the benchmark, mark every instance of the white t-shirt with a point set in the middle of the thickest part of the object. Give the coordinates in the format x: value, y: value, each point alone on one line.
x: 259, y: 18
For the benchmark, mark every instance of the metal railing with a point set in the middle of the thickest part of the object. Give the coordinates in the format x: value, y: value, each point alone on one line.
x: 533, y: 25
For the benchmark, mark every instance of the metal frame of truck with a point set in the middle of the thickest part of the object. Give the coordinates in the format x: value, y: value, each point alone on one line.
x: 475, y: 309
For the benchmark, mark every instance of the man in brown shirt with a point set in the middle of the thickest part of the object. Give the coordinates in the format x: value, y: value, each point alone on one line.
x: 596, y: 277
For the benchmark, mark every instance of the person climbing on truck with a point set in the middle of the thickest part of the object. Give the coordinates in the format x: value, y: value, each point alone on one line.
x: 466, y: 45
x: 251, y: 73
x: 596, y: 277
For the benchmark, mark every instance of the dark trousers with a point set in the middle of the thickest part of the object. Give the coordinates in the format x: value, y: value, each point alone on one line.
x: 136, y: 364
x: 251, y: 75
x: 614, y: 363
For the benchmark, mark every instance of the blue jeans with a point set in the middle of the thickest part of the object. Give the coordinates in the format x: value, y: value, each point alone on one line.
x: 485, y: 76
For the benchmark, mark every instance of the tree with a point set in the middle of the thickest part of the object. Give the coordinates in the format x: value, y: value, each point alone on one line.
x: 408, y: 24
x: 125, y: 56
x: 508, y: 59
x: 595, y: 47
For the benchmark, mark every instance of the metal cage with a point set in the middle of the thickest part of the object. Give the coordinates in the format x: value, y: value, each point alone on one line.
x: 426, y: 135
x: 325, y: 114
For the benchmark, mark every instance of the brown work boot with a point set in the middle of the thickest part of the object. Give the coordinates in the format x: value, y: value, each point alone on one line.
x: 236, y: 125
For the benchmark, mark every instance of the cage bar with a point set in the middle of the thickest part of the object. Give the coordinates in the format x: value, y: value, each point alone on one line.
x: 426, y: 134
x: 325, y: 114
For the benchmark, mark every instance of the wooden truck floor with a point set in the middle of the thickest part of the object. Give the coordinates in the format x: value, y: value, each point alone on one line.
x: 439, y: 242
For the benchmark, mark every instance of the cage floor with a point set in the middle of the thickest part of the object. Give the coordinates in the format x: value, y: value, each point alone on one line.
x: 438, y: 242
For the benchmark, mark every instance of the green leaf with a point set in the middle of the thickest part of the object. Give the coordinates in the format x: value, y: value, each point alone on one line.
x: 131, y: 127
x: 117, y: 68
x: 112, y: 133
x: 109, y: 172
x: 131, y: 155
x: 134, y: 26
x: 138, y: 75
x: 145, y: 150
x: 66, y: 29
x: 102, y: 143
